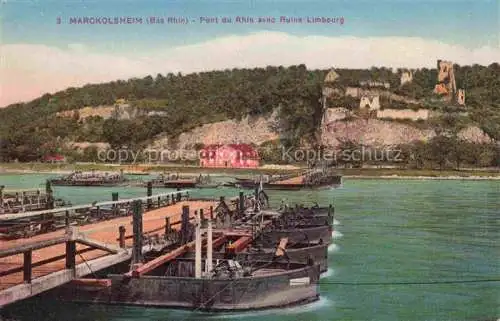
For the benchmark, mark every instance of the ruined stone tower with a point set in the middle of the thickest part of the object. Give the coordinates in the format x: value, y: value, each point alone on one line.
x: 406, y: 77
x: 370, y: 101
x: 461, y: 97
x: 446, y: 85
x: 329, y: 88
x: 331, y: 76
x: 331, y: 113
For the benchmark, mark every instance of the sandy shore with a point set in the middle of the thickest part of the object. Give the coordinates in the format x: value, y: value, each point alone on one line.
x: 467, y: 176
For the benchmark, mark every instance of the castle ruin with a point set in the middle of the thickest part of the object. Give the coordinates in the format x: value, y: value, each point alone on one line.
x: 335, y: 114
x: 461, y: 97
x: 446, y: 85
x: 372, y: 83
x: 372, y: 102
x: 331, y: 76
x: 329, y: 89
x: 331, y: 113
x: 406, y: 77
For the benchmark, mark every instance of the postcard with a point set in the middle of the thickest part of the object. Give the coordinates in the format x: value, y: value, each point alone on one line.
x: 249, y: 160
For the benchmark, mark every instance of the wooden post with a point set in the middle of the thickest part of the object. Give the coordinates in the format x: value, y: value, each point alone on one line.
x: 149, y: 194
x: 66, y: 219
x: 179, y: 196
x: 256, y: 192
x: 1, y: 195
x: 184, y: 222
x: 167, y: 225
x: 121, y: 237
x: 70, y: 254
x: 50, y: 198
x: 38, y: 199
x: 23, y: 196
x: 242, y: 203
x: 27, y: 266
x: 197, y: 260
x: 137, y: 230
x: 209, y: 259
x: 202, y: 217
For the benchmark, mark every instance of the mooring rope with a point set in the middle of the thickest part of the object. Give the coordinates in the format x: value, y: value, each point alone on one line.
x: 88, y: 266
x: 409, y: 282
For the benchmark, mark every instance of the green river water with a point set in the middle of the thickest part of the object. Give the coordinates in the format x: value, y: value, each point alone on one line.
x: 388, y: 231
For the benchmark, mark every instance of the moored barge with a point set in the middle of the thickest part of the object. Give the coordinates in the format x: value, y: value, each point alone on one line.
x: 28, y: 200
x: 178, y: 181
x: 262, y: 252
x: 312, y: 179
x: 231, y: 286
x: 232, y: 270
x: 93, y: 178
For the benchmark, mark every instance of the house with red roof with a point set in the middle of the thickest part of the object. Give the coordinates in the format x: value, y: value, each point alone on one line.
x: 55, y: 158
x: 229, y: 156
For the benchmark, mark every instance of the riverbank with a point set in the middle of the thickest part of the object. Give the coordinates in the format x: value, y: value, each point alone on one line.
x: 350, y: 173
x: 469, y: 178
x: 420, y: 174
x: 61, y: 169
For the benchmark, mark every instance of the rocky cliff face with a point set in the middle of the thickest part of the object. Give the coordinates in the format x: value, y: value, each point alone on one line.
x: 369, y: 132
x: 475, y: 135
x: 372, y: 132
x: 254, y: 130
x: 119, y: 111
x: 377, y: 133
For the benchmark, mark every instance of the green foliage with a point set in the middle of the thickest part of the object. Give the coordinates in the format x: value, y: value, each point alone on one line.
x: 195, y: 99
x: 272, y: 152
x: 353, y: 77
x: 446, y: 152
x: 150, y: 104
x: 386, y: 102
x: 348, y: 102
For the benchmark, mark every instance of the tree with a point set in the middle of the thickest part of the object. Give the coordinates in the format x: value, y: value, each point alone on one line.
x: 459, y: 150
x: 90, y: 154
x: 441, y: 148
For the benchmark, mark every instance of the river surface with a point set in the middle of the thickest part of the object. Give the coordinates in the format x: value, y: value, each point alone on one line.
x: 388, y: 232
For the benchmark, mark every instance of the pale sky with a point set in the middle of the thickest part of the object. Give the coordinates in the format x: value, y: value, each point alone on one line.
x: 38, y: 55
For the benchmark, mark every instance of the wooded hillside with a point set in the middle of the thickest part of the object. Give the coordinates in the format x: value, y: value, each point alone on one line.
x: 32, y: 129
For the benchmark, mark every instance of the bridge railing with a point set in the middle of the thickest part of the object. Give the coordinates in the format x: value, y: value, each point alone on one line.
x: 27, y: 224
x: 161, y: 199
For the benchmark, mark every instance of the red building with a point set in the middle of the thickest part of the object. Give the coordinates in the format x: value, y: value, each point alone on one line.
x: 231, y: 155
x: 54, y: 159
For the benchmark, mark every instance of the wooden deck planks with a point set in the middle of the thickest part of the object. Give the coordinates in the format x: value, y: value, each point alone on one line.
x: 104, y: 231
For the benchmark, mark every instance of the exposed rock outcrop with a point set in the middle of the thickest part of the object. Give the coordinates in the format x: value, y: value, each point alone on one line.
x: 373, y: 132
x: 254, y: 130
x: 475, y: 135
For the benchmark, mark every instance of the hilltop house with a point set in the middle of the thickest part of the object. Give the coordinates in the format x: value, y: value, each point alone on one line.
x: 230, y: 155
